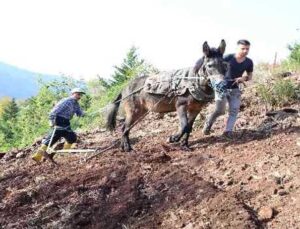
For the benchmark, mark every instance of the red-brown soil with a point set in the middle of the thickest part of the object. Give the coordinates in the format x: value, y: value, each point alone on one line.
x: 249, y: 182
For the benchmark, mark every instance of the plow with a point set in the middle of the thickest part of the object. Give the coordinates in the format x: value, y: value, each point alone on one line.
x: 85, y: 152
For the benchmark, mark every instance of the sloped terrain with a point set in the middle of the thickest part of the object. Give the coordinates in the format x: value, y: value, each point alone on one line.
x: 251, y: 181
x: 20, y: 83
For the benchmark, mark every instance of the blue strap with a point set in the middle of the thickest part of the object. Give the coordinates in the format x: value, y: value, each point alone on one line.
x: 220, y: 87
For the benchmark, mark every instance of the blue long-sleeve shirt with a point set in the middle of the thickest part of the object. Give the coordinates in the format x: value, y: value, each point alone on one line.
x: 66, y: 108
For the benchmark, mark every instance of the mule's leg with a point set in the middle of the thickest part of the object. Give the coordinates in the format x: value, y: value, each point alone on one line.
x: 132, y: 115
x: 123, y: 138
x: 182, y: 114
x: 191, y: 118
x: 125, y: 141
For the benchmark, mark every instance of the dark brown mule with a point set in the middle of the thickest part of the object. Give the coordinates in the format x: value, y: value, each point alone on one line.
x: 138, y: 102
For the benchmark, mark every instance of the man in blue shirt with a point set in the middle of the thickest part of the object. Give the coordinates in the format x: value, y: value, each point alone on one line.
x: 238, y: 64
x: 59, y: 118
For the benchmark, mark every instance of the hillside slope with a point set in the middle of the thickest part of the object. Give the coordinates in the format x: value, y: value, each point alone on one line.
x: 19, y: 83
x: 249, y: 182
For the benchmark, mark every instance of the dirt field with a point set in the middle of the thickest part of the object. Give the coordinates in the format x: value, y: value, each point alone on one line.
x: 249, y: 182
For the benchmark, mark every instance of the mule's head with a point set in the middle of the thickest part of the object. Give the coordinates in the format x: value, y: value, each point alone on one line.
x: 213, y: 66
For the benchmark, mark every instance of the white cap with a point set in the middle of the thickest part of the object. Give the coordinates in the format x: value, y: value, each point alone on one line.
x: 77, y: 90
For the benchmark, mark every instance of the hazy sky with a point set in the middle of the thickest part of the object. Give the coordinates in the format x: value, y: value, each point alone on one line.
x: 83, y: 38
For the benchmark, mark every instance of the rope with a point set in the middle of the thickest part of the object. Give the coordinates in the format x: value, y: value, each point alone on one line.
x: 103, y: 108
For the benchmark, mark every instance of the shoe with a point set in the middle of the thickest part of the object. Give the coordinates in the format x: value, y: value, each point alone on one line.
x: 228, y: 135
x: 38, y: 155
x: 206, y: 129
x: 68, y: 145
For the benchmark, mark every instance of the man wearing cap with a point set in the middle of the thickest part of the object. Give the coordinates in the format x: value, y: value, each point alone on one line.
x: 59, y: 120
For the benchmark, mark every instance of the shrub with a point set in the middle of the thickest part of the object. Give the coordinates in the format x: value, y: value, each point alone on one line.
x: 278, y: 93
x: 292, y: 63
x: 295, y: 52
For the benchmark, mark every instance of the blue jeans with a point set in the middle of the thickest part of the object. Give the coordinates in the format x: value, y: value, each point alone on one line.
x: 233, y: 97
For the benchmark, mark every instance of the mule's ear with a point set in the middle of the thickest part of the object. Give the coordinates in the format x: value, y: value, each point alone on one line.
x: 222, y: 47
x: 205, y: 48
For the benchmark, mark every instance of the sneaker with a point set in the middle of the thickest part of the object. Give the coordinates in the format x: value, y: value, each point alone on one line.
x: 228, y: 134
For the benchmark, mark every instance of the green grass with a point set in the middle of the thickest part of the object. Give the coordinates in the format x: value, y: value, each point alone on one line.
x: 278, y: 93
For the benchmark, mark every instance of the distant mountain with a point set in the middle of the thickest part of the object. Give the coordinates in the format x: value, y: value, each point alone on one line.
x: 20, y: 83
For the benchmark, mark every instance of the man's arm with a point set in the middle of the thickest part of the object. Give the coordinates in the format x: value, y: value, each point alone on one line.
x: 244, y: 78
x: 248, y: 77
x: 78, y: 111
x: 249, y: 71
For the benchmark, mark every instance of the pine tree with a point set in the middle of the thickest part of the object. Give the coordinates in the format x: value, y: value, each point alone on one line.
x: 4, y: 101
x: 8, y: 124
x: 295, y: 52
x: 131, y: 67
x: 10, y: 111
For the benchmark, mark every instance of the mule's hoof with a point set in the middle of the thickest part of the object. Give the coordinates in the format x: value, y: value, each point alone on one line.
x: 55, y: 164
x: 173, y: 139
x: 185, y: 148
x: 126, y: 148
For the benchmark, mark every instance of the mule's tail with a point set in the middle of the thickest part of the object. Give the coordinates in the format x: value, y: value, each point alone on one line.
x: 112, y: 113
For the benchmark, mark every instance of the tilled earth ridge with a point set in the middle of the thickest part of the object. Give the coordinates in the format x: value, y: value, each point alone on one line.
x: 249, y: 182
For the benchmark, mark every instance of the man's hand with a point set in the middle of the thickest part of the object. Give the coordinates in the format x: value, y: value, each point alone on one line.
x: 239, y: 80
x: 244, y: 78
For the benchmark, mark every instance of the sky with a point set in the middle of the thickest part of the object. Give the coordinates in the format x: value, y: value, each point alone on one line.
x: 86, y: 38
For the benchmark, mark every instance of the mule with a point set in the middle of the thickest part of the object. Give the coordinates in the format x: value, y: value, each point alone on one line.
x: 138, y: 102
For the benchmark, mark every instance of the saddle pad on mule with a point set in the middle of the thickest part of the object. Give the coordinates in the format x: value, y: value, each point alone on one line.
x: 177, y: 82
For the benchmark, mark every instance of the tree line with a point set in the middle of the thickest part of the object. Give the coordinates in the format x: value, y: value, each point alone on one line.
x: 22, y: 122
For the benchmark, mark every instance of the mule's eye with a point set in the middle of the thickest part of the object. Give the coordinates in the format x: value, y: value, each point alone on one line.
x: 209, y: 65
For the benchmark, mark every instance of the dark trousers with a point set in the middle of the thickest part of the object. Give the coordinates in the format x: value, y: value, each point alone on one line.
x: 62, y: 129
